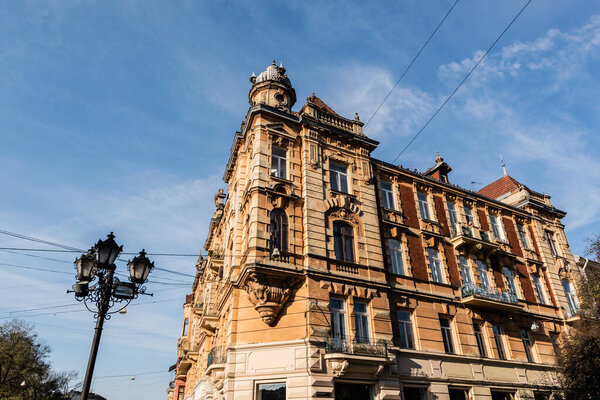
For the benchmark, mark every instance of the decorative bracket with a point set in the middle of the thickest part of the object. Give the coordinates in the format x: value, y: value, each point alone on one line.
x: 268, y: 293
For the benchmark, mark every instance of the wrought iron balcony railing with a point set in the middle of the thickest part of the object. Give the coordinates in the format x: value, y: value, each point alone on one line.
x: 495, y: 294
x: 217, y: 355
x: 358, y: 346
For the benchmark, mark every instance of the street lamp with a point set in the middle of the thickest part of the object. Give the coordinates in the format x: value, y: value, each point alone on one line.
x: 101, y: 294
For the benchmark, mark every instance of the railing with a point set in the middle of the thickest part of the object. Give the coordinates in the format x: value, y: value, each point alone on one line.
x: 489, y: 293
x: 355, y: 346
x: 348, y: 268
x: 217, y: 355
x: 461, y: 230
x: 331, y: 119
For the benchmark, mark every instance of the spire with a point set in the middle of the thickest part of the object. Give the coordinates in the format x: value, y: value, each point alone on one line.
x: 503, y: 166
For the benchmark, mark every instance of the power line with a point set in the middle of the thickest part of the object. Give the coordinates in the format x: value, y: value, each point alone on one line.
x: 463, y: 81
x: 412, y: 62
x: 79, y: 251
x: 32, y: 239
x: 36, y: 268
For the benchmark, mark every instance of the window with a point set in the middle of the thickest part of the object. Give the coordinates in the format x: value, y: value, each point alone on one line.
x: 552, y: 243
x: 343, y: 241
x: 361, y: 319
x: 458, y: 394
x: 271, y: 391
x: 480, y: 338
x: 468, y: 215
x: 510, y: 280
x: 483, y: 274
x: 498, y: 395
x: 435, y: 265
x: 337, y: 310
x: 279, y: 229
x: 453, y: 216
x: 180, y: 392
x: 541, y: 396
x: 570, y: 293
x: 527, y: 344
x: 396, y: 255
x: 523, y: 236
x: 387, y: 195
x: 499, y: 341
x: 465, y: 271
x: 186, y: 324
x: 338, y: 175
x: 279, y: 162
x: 414, y: 393
x: 406, y: 330
x: 539, y: 289
x: 497, y: 227
x: 447, y: 335
x: 424, y: 205
x: 349, y: 391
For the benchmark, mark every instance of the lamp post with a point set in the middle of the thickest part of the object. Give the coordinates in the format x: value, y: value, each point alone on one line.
x: 99, y: 290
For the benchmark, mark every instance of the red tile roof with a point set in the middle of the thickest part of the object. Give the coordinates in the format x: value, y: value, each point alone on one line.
x: 321, y: 104
x: 504, y: 185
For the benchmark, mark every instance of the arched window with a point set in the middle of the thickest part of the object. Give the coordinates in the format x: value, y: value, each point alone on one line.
x: 279, y: 229
x: 186, y: 324
x: 343, y: 241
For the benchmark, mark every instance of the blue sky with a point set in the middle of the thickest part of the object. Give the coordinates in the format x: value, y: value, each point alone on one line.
x: 119, y: 116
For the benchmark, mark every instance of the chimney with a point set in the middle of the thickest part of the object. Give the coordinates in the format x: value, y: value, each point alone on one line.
x: 440, y: 170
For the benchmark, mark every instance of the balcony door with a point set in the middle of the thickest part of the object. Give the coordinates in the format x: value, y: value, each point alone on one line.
x: 353, y: 391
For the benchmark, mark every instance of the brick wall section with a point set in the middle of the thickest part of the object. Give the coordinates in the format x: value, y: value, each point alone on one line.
x: 511, y: 234
x: 441, y: 214
x: 483, y: 220
x: 415, y: 245
x: 526, y: 284
x: 452, y: 265
x: 498, y: 278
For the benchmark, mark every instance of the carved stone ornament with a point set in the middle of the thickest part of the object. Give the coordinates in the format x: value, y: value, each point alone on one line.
x: 268, y: 294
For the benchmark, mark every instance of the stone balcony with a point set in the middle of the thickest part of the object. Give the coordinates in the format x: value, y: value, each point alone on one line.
x: 361, y: 347
x: 491, y: 298
x: 355, y: 357
x: 469, y: 237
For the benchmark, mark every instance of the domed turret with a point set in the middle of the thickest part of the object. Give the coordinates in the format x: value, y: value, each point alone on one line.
x: 272, y: 87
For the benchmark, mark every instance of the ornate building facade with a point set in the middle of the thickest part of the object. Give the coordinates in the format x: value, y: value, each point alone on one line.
x: 332, y: 275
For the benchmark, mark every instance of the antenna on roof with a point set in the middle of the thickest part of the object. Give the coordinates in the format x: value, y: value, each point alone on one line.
x: 503, y: 166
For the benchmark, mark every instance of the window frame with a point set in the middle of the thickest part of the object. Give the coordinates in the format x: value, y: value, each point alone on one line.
x: 337, y: 171
x: 438, y: 270
x: 465, y: 269
x: 479, y: 331
x: 447, y: 335
x: 259, y: 384
x: 497, y: 227
x: 278, y: 219
x: 281, y: 168
x: 361, y: 319
x: 396, y: 256
x: 468, y: 214
x: 406, y: 330
x: 487, y: 285
x: 509, y: 276
x: 569, y: 290
x: 538, y: 286
x: 424, y: 206
x: 387, y: 195
x: 523, y: 236
x: 528, y: 345
x: 341, y: 316
x: 452, y: 215
x: 186, y: 327
x: 345, y: 239
x: 499, y: 340
x: 552, y: 243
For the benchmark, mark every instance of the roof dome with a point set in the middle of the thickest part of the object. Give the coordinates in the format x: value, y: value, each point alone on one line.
x: 272, y: 73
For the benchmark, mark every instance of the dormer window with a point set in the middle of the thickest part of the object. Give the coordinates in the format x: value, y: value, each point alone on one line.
x: 338, y: 175
x: 279, y: 162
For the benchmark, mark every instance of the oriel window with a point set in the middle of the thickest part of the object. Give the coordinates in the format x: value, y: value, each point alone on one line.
x: 361, y: 320
x: 279, y: 230
x: 396, y: 256
x: 279, y: 162
x: 405, y: 328
x: 424, y: 205
x: 387, y: 195
x: 338, y: 175
x: 343, y: 241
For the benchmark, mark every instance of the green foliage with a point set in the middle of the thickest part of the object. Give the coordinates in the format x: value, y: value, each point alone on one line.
x: 24, y: 372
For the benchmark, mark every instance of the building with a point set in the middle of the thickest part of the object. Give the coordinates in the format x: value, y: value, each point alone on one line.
x: 330, y: 274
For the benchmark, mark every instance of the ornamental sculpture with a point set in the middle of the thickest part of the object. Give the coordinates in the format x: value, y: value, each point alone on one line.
x: 268, y: 294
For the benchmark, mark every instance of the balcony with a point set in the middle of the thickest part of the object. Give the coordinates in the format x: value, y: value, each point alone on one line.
x: 356, y: 347
x: 491, y: 298
x: 571, y: 314
x: 217, y: 355
x: 471, y: 238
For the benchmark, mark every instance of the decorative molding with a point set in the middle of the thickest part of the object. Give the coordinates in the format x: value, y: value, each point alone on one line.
x: 268, y: 294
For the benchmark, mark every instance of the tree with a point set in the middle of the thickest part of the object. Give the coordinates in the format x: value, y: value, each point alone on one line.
x: 24, y: 372
x: 580, y: 358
